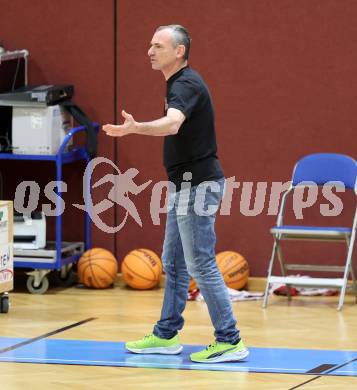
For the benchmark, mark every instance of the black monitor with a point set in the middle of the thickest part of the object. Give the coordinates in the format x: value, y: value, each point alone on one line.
x: 12, y: 74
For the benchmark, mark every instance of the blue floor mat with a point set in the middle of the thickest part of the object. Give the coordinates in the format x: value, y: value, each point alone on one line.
x: 107, y: 353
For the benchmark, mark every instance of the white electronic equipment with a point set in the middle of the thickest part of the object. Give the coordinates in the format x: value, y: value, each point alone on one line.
x: 30, y: 231
x: 39, y: 129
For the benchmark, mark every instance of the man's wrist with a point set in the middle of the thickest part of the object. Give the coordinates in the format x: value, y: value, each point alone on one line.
x: 139, y: 127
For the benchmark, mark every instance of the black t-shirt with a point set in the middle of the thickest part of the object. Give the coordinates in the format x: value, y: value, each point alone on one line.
x: 193, y: 149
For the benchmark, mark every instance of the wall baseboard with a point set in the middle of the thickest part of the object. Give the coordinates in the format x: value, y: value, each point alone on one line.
x: 258, y: 284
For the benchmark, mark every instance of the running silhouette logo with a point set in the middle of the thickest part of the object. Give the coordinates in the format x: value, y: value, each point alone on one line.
x: 122, y: 186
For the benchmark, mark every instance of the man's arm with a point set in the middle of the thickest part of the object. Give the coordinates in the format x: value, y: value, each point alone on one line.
x: 167, y: 125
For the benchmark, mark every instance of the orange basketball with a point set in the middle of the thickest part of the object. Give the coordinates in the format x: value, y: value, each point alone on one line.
x: 97, y: 268
x: 234, y: 269
x: 141, y: 269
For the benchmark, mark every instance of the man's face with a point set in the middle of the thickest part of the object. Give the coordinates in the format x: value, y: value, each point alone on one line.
x: 163, y: 53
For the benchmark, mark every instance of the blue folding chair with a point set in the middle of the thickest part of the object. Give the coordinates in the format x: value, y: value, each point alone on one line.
x: 320, y: 169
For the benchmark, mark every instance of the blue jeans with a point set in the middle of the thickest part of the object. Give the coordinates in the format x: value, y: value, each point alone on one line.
x: 189, y: 249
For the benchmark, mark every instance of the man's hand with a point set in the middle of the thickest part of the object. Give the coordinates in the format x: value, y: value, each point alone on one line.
x: 128, y: 127
x: 167, y: 125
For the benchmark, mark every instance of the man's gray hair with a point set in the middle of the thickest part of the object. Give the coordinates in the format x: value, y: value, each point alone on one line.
x: 180, y: 35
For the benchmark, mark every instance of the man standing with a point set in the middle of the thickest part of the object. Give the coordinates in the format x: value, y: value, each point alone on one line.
x: 192, y: 165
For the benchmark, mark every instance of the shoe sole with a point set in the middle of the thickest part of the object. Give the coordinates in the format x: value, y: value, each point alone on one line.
x: 174, y: 350
x: 231, y: 357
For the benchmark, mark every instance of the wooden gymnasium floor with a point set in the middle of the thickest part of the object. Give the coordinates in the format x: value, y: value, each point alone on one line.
x: 123, y: 314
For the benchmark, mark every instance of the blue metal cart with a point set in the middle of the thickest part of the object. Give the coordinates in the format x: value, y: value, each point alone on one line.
x: 57, y: 255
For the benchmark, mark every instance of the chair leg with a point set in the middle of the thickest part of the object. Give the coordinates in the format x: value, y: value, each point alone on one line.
x: 348, y: 268
x: 354, y: 284
x: 282, y: 267
x: 342, y: 297
x: 353, y: 275
x: 270, y: 270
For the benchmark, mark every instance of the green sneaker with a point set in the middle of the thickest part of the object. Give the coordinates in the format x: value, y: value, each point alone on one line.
x: 154, y: 344
x: 221, y: 352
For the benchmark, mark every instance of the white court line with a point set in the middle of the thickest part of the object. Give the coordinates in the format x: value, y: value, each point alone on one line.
x: 158, y: 365
x: 147, y: 364
x: 78, y: 361
x: 302, y: 370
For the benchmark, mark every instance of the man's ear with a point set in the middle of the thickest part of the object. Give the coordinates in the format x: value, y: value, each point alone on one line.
x: 181, y: 51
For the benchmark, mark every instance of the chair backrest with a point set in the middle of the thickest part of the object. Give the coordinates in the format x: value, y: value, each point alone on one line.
x: 321, y: 168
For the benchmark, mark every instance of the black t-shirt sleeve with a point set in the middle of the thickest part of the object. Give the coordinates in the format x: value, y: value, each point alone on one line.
x: 184, y: 97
